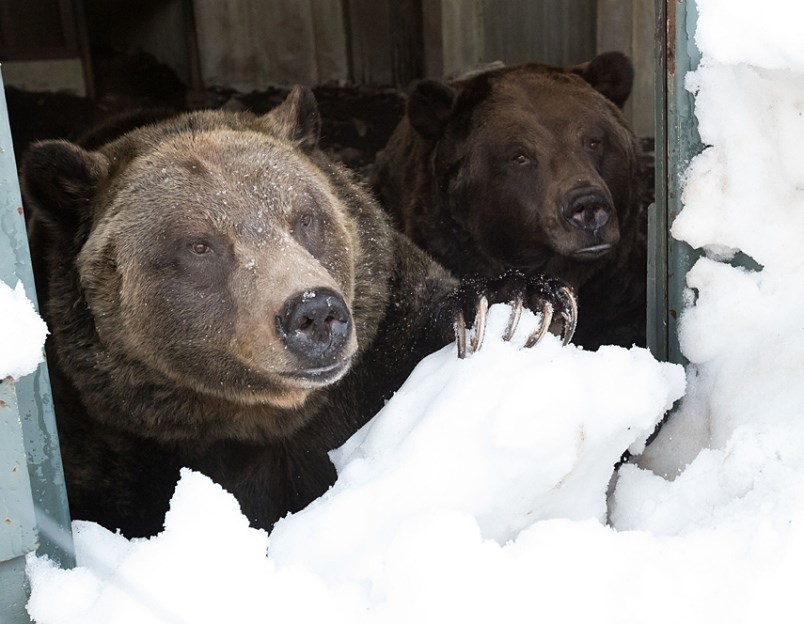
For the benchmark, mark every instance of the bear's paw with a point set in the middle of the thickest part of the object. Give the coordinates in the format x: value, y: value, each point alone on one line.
x: 553, y: 299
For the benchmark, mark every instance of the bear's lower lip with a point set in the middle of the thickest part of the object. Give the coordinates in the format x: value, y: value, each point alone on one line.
x: 319, y: 376
x: 594, y: 251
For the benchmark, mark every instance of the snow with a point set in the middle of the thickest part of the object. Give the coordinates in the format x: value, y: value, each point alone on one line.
x: 479, y: 493
x: 22, y: 333
x: 447, y: 491
x: 736, y: 31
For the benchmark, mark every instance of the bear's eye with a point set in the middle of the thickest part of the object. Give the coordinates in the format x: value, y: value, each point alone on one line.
x: 593, y: 144
x: 520, y: 159
x: 200, y: 248
x: 309, y: 229
x: 305, y: 223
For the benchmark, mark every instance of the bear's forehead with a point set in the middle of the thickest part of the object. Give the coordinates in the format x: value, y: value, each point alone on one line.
x: 542, y: 106
x: 556, y: 96
x: 227, y: 182
x: 226, y: 163
x: 231, y: 154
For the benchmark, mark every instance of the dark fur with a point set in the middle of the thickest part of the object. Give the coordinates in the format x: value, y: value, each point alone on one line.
x: 449, y: 179
x: 153, y: 362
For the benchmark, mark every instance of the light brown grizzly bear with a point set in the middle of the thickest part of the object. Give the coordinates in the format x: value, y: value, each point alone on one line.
x: 223, y: 296
x: 529, y: 167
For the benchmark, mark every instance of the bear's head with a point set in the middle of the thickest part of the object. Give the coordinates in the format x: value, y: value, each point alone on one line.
x: 211, y: 250
x: 535, y: 164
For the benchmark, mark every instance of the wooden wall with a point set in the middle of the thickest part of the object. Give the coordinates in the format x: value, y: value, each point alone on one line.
x: 463, y: 33
x: 559, y: 33
x: 252, y: 44
x: 384, y: 41
x: 630, y: 26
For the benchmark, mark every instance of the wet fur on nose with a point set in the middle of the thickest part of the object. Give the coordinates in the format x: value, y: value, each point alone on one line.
x: 315, y: 326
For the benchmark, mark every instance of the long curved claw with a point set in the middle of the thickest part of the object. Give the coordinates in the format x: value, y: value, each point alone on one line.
x: 516, y: 313
x: 544, y: 325
x: 481, y: 313
x: 570, y: 316
x: 460, y: 334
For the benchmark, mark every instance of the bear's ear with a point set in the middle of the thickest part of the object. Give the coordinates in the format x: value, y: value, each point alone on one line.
x: 610, y: 73
x: 429, y: 108
x: 59, y: 179
x: 297, y: 119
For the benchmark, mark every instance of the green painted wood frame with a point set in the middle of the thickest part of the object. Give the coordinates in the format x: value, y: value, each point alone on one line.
x: 677, y: 142
x: 34, y: 515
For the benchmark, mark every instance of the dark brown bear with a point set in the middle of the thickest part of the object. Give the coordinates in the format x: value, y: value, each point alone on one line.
x: 222, y: 296
x: 531, y: 167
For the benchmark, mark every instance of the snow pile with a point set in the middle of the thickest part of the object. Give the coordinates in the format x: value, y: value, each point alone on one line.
x: 444, y: 496
x: 507, y: 437
x: 744, y: 334
x: 744, y: 330
x: 737, y: 31
x: 208, y: 565
x: 22, y: 333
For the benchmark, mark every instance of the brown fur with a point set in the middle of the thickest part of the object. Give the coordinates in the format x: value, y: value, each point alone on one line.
x: 481, y: 174
x: 162, y: 357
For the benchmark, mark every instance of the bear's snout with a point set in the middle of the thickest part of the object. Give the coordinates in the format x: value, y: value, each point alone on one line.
x: 587, y: 209
x: 316, y: 326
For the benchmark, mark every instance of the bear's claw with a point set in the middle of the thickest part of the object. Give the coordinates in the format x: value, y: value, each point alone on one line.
x: 546, y: 320
x: 544, y: 295
x: 569, y: 313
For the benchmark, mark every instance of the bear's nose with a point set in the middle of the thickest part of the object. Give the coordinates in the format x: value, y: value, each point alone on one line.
x: 315, y: 326
x: 587, y: 209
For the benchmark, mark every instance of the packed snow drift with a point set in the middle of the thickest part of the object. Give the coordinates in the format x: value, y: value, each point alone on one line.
x: 459, y: 465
